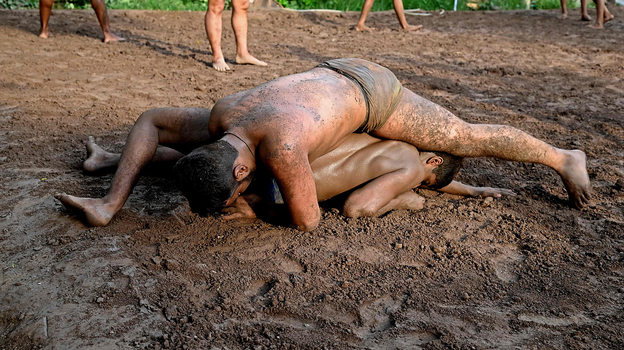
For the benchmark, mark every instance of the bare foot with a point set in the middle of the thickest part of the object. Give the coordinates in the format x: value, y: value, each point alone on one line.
x: 110, y: 37
x: 413, y: 28
x: 563, y: 16
x: 363, y: 28
x: 608, y: 16
x: 249, y: 59
x: 97, y: 212
x: 585, y: 18
x: 574, y: 175
x: 596, y: 26
x: 410, y: 201
x: 44, y: 33
x: 220, y: 65
x: 97, y: 158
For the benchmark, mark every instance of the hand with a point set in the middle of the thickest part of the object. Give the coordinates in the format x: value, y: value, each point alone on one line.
x: 493, y: 192
x: 240, y: 209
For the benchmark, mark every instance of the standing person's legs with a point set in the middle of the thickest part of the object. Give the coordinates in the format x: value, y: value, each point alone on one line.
x: 429, y: 126
x: 600, y: 12
x: 368, y: 4
x: 181, y: 128
x: 584, y: 15
x: 45, y: 7
x: 564, y: 9
x: 100, y: 11
x: 400, y: 13
x: 214, y: 27
x: 239, y: 24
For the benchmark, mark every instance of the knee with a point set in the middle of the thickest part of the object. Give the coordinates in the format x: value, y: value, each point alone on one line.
x: 240, y: 5
x: 353, y: 209
x: 149, y: 116
x: 216, y: 6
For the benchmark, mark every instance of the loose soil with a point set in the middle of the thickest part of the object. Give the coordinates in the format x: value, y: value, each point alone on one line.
x: 521, y: 272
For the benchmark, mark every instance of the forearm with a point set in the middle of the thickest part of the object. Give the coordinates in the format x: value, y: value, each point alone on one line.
x: 458, y: 188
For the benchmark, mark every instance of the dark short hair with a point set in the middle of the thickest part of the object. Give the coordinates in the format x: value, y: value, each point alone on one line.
x: 446, y: 171
x: 205, y: 176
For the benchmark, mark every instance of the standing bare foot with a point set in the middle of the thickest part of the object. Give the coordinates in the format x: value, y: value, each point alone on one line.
x: 220, y: 65
x: 97, y: 212
x: 607, y: 16
x: 110, y: 37
x: 249, y: 59
x: 44, y: 33
x: 97, y: 158
x: 411, y: 28
x: 585, y: 18
x: 575, y: 178
x: 563, y: 16
x: 596, y: 26
x: 363, y: 28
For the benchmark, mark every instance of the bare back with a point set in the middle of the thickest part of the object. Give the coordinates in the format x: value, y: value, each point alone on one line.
x: 313, y: 111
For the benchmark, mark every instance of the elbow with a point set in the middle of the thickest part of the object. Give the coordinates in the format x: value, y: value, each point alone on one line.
x: 307, y: 225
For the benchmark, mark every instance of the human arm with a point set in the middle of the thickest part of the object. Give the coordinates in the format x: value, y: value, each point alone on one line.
x: 293, y: 174
x: 241, y: 208
x: 461, y: 189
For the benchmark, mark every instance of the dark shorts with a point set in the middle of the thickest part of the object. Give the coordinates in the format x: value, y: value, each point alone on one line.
x: 381, y: 88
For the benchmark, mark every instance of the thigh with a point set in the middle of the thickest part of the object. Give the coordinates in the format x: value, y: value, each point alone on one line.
x: 424, y: 124
x: 182, y: 129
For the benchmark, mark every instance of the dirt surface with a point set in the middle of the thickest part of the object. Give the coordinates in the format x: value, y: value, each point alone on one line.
x: 522, y: 272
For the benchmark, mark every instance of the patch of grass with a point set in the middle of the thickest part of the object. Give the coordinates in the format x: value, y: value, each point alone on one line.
x: 19, y: 4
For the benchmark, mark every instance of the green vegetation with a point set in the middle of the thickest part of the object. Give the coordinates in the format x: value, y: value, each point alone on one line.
x: 19, y: 4
x: 342, y: 5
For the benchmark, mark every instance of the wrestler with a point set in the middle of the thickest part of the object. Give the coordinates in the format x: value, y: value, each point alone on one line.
x: 378, y: 176
x: 287, y: 123
x: 99, y: 6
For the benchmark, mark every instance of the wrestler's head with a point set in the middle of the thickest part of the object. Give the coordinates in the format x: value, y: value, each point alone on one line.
x: 211, y: 178
x: 441, y: 168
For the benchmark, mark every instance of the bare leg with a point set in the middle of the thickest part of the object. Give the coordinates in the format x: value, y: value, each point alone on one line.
x: 45, y: 7
x: 179, y: 127
x: 607, y: 14
x: 564, y: 9
x: 368, y: 4
x: 398, y: 9
x: 429, y: 126
x: 100, y: 10
x: 100, y: 160
x: 600, y: 12
x: 584, y: 15
x: 214, y: 27
x: 239, y: 24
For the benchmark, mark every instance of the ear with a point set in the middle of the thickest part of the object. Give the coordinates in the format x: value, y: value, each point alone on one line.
x: 241, y: 171
x: 435, y: 161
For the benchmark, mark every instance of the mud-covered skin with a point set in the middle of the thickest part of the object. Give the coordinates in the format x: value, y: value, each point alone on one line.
x: 427, y: 125
x: 290, y: 122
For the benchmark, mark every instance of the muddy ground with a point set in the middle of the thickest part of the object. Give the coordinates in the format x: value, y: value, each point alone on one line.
x: 521, y: 272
